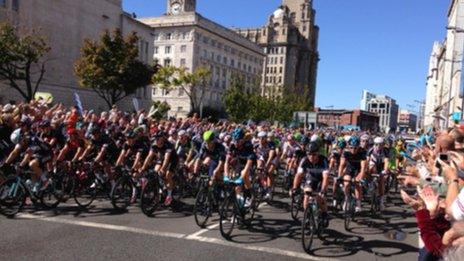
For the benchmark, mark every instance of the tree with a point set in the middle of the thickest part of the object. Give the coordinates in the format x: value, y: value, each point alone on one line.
x: 193, y: 84
x: 21, y: 63
x: 159, y: 110
x: 111, y: 68
x: 237, y: 102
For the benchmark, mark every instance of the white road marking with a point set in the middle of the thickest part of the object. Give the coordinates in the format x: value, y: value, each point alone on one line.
x: 192, y: 237
x: 203, y: 230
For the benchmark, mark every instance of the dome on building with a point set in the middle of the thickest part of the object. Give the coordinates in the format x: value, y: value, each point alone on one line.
x: 279, y: 13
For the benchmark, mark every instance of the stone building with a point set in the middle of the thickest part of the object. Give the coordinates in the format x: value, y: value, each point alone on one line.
x: 184, y: 38
x: 337, y: 119
x: 387, y: 109
x: 290, y: 41
x: 65, y: 24
x: 407, y: 121
x: 445, y: 89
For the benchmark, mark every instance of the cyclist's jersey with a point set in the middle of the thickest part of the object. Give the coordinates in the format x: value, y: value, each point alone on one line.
x: 335, y: 154
x: 263, y: 151
x: 241, y: 155
x: 290, y: 149
x: 75, y: 144
x: 39, y: 147
x: 217, y: 154
x: 183, y: 150
x: 392, y: 158
x: 377, y: 157
x: 161, y: 152
x: 313, y: 170
x: 353, y: 160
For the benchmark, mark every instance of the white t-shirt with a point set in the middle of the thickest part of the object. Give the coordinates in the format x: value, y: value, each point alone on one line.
x: 457, y: 207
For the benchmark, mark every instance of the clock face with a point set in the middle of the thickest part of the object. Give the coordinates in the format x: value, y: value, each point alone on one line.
x: 176, y: 8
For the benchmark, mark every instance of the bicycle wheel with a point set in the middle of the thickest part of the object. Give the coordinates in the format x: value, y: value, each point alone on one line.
x: 52, y: 195
x: 295, y: 206
x: 308, y: 229
x: 228, y: 216
x: 375, y: 204
x: 12, y: 197
x: 122, y: 193
x: 349, y: 214
x: 84, y: 191
x: 150, y: 198
x: 203, y: 208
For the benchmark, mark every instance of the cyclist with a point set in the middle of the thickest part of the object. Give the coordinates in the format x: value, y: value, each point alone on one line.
x: 266, y: 154
x: 73, y: 147
x: 163, y: 153
x: 241, y: 159
x: 378, y: 158
x: 334, y: 162
x: 353, y: 164
x: 316, y: 170
x: 212, y: 155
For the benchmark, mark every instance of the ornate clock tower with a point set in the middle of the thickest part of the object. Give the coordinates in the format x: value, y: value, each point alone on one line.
x: 176, y: 7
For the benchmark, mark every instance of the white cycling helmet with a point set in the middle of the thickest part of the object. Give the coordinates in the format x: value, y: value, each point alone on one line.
x: 347, y: 138
x: 262, y: 134
x: 270, y: 134
x: 15, y: 137
x: 314, y: 138
x: 365, y: 137
x: 182, y: 133
x: 379, y: 140
x: 222, y: 135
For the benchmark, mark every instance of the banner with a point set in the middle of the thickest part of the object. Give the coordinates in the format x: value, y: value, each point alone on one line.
x: 136, y: 104
x: 77, y: 101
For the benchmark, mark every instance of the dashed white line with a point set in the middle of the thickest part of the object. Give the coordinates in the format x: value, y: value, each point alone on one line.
x: 203, y: 231
x: 193, y: 237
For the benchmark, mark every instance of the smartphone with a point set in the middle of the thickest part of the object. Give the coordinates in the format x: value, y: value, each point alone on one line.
x: 443, y: 157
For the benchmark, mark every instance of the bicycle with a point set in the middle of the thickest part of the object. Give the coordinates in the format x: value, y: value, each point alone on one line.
x: 349, y: 212
x: 312, y: 223
x: 373, y: 190
x: 207, y: 200
x: 233, y: 208
x: 338, y: 195
x: 124, y: 190
x: 154, y: 192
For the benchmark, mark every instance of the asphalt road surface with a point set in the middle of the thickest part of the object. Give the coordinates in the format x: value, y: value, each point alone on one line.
x: 100, y: 233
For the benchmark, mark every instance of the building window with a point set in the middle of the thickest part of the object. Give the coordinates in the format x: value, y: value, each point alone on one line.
x: 281, y: 60
x: 181, y: 92
x: 167, y: 49
x: 155, y: 61
x: 224, y: 60
x: 156, y: 49
x: 3, y: 3
x: 304, y: 28
x: 280, y: 70
x: 167, y: 62
x: 168, y: 36
x: 15, y: 5
x: 154, y: 91
x: 180, y: 108
x: 182, y: 62
x: 183, y: 48
x: 205, y: 53
x: 156, y: 37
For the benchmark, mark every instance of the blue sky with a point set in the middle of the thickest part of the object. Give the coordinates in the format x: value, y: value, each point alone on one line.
x: 380, y: 45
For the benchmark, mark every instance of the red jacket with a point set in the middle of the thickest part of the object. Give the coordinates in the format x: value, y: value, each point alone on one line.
x: 432, y: 231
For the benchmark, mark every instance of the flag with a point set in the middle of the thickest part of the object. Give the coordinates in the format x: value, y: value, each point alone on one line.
x: 77, y: 101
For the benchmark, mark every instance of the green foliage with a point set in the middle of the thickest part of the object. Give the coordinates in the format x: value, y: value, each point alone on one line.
x: 159, y: 110
x: 111, y: 68
x: 193, y: 84
x: 241, y: 106
x: 21, y: 64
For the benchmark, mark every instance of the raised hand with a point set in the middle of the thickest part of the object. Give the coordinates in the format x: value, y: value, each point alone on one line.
x: 416, y: 204
x: 430, y: 198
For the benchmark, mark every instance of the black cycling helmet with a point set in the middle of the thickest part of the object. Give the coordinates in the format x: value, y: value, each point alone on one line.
x: 158, y: 135
x: 130, y: 134
x: 312, y: 148
x: 44, y: 124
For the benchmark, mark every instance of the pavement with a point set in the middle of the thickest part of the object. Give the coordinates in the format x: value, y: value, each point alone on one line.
x: 101, y: 233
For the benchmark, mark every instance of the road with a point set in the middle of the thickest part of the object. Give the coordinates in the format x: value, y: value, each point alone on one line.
x: 70, y: 233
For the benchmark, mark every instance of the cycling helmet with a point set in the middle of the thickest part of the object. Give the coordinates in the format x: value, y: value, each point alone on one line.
x: 298, y: 136
x: 238, y: 134
x: 262, y: 134
x: 365, y: 137
x: 341, y: 143
x: 354, y: 141
x: 222, y: 135
x: 16, y: 136
x: 312, y: 148
x: 304, y: 140
x: 208, y: 136
x: 26, y: 120
x: 314, y: 138
x: 347, y: 138
x: 158, y: 135
x: 130, y: 134
x: 379, y: 140
x: 182, y: 133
